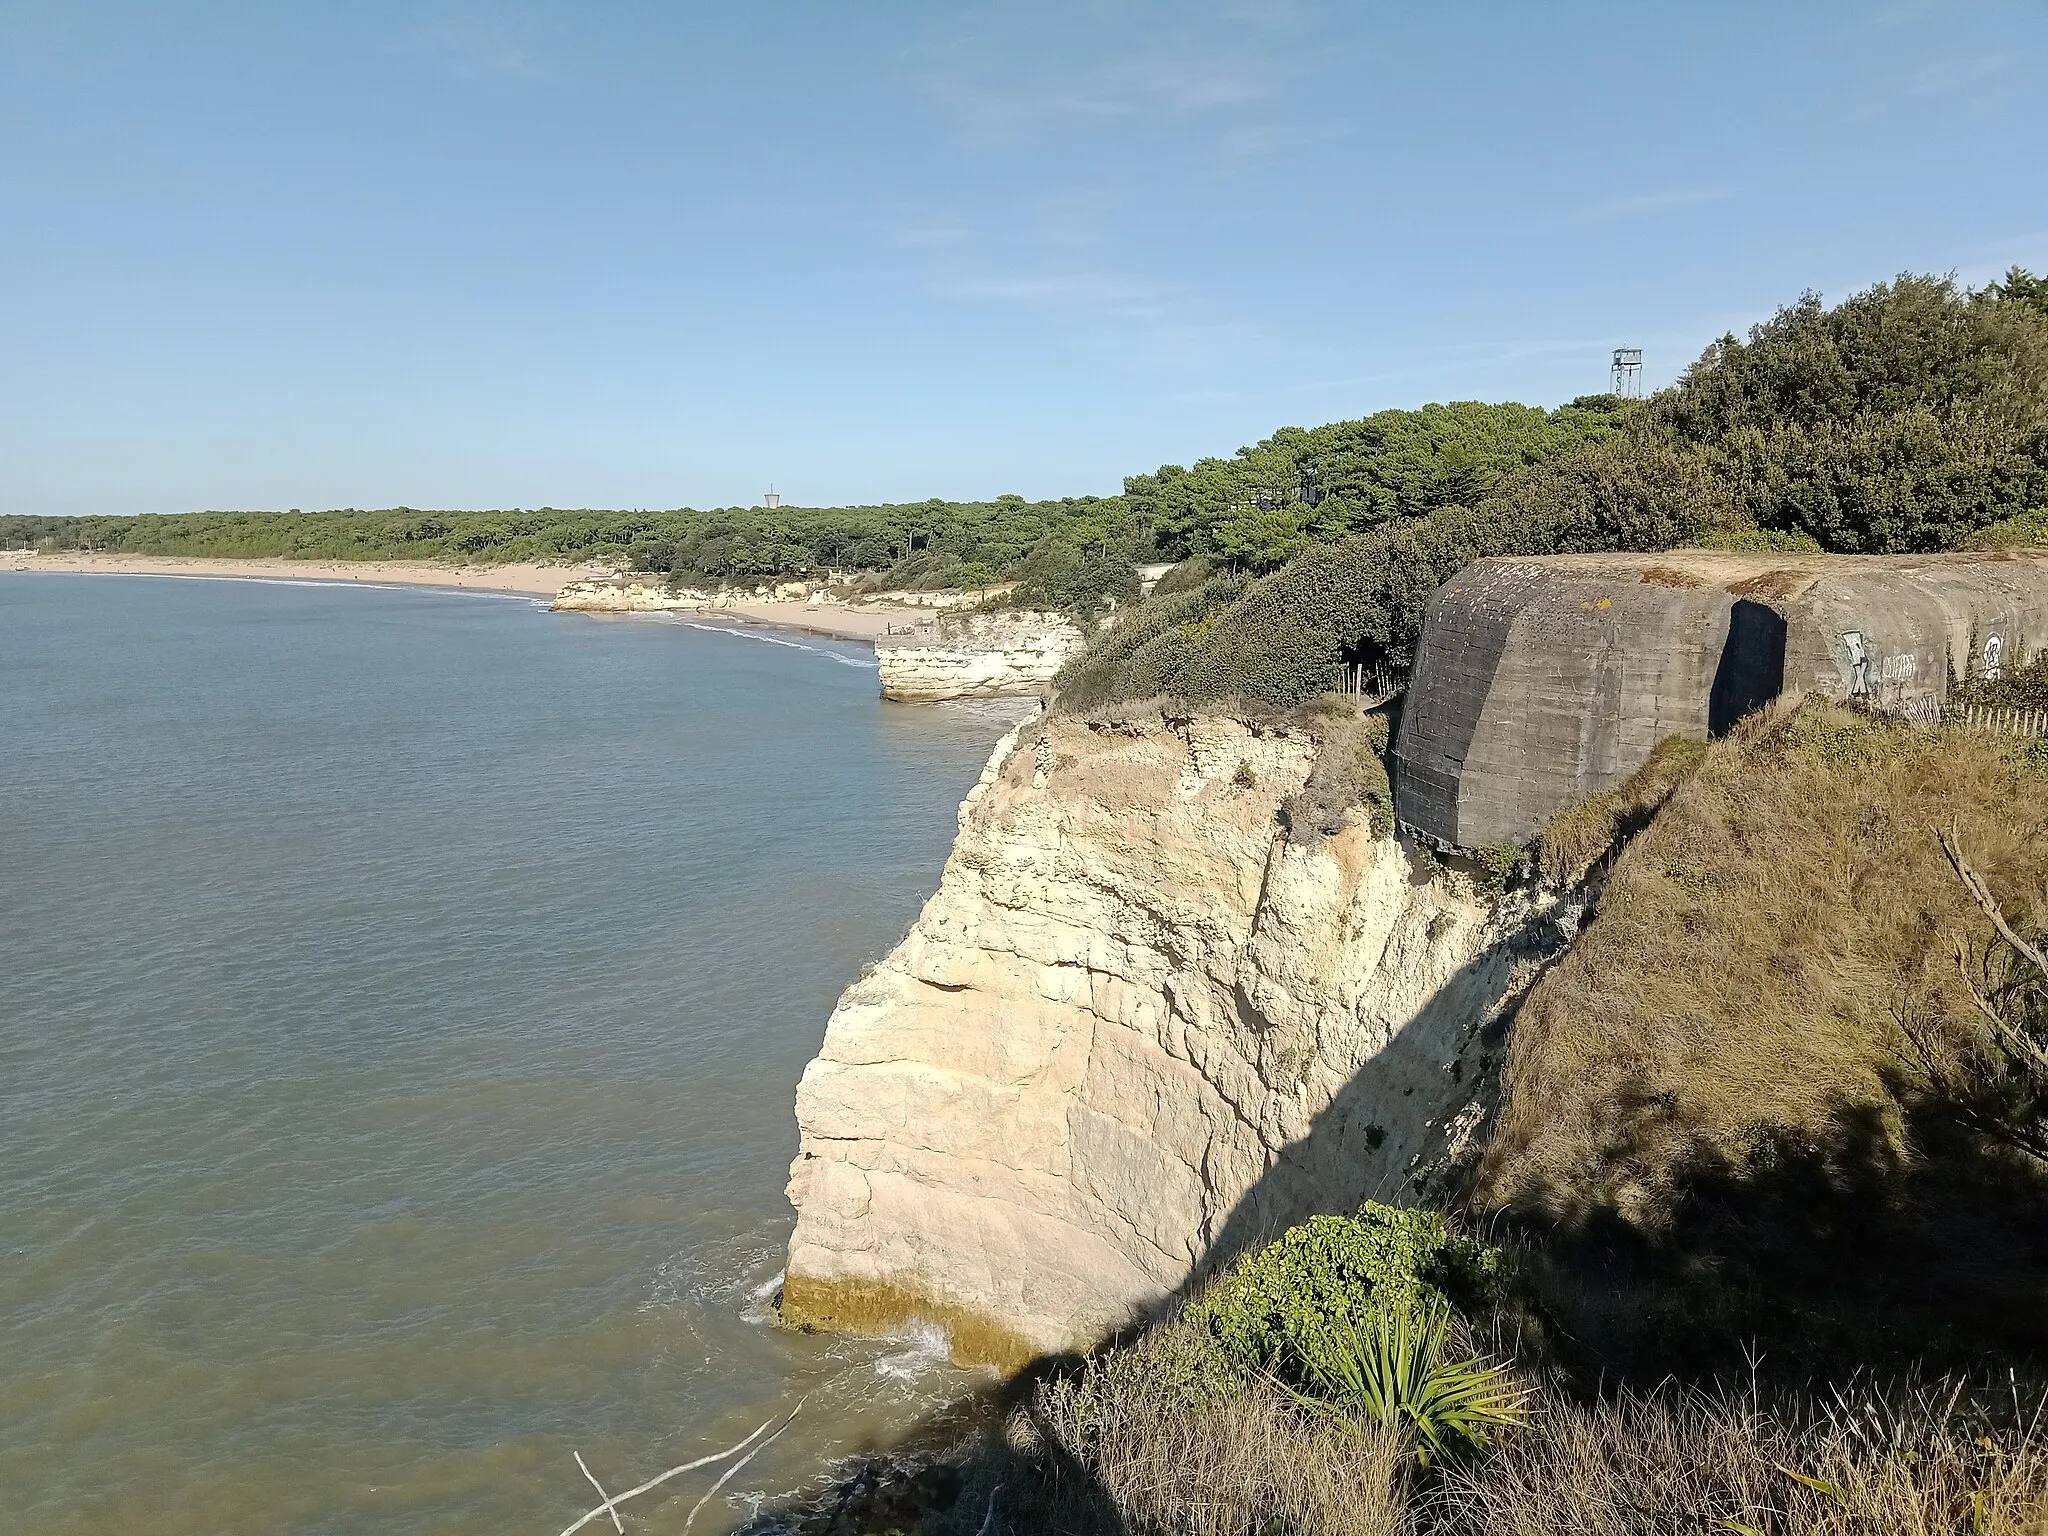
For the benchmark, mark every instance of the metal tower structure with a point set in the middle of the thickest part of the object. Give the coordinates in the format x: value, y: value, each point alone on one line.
x: 1627, y: 377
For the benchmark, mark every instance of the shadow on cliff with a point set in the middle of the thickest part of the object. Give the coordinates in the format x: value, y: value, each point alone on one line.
x: 1861, y: 1245
x: 1383, y: 1135
x: 1806, y: 1258
x: 1366, y: 1144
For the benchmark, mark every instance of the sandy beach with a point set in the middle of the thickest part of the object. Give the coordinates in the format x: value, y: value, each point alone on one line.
x: 536, y: 580
x: 531, y: 579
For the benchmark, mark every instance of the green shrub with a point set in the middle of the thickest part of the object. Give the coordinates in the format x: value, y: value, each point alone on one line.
x: 2023, y: 685
x: 1349, y: 773
x: 1498, y: 863
x: 1185, y: 577
x: 1391, y: 1371
x: 1283, y: 638
x: 1147, y: 647
x: 1906, y: 418
x: 1057, y: 575
x: 2025, y: 530
x: 1281, y: 1304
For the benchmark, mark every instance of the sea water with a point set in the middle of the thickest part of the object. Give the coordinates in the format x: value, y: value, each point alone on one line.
x: 401, y: 1003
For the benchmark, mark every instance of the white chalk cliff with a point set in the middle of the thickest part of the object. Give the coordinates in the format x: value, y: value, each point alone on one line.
x: 1134, y: 1030
x: 978, y: 656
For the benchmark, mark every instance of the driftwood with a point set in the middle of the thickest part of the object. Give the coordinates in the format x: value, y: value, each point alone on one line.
x: 733, y: 1470
x: 1952, y: 845
x: 612, y: 1501
x: 617, y: 1524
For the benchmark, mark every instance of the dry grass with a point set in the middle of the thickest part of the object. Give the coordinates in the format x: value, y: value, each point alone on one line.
x: 1145, y: 1458
x: 1249, y: 1462
x: 1582, y: 833
x: 1141, y: 1445
x: 1731, y: 1011
x: 1673, y: 1461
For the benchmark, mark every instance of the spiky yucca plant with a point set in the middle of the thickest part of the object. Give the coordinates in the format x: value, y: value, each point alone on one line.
x: 1391, y: 1369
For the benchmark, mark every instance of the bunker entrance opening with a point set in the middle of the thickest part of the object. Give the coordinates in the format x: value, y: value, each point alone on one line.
x: 1751, y: 672
x: 1368, y: 671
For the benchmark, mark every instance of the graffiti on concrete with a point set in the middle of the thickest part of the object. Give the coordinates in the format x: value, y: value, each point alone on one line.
x: 1859, y: 664
x: 1880, y: 680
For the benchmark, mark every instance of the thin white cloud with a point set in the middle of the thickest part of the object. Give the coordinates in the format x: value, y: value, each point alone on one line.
x: 995, y: 75
x: 1097, y: 292
x: 479, y: 45
x: 1646, y: 203
x: 1954, y: 74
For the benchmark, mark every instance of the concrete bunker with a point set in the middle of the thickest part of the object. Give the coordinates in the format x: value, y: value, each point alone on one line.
x: 1541, y: 679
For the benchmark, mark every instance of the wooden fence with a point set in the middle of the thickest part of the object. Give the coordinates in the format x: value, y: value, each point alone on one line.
x: 2001, y: 722
x: 1373, y: 686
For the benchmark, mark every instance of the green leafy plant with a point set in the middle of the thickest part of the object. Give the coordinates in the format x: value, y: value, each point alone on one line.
x: 1332, y: 1272
x: 1392, y: 1368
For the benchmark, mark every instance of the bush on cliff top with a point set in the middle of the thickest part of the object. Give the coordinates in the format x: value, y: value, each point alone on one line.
x: 1282, y: 639
x: 1349, y: 774
x: 1902, y: 420
x: 1912, y: 417
x: 1283, y: 1303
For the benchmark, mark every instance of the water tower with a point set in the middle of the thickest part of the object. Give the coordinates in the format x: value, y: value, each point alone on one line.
x: 1626, y: 379
x: 771, y: 500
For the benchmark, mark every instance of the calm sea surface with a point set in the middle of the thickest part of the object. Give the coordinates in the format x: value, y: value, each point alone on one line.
x: 401, y: 1003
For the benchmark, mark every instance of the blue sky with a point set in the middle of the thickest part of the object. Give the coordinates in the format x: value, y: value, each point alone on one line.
x: 612, y: 254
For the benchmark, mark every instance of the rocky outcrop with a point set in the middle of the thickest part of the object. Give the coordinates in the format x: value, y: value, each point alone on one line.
x: 981, y: 656
x: 1135, y: 1030
x: 624, y: 595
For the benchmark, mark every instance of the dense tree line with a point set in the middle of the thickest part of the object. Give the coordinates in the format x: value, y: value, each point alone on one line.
x: 1272, y: 501
x: 1912, y: 417
x: 928, y: 543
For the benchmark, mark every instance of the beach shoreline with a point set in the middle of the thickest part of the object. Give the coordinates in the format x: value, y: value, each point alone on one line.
x: 528, y: 579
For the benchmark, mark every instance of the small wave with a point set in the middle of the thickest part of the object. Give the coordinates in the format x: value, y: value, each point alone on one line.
x: 760, y: 1307
x: 927, y: 1348
x: 795, y: 645
x: 718, y: 1276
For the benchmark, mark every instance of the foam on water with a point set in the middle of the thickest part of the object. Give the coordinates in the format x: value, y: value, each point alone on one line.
x: 866, y: 663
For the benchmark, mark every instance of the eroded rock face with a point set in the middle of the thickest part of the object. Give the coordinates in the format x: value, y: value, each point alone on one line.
x: 625, y: 596
x: 1133, y: 1031
x: 982, y: 656
x: 622, y: 594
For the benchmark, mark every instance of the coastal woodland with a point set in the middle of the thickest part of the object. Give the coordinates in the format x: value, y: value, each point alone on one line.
x: 1908, y: 418
x: 1753, y: 1237
x: 1756, y: 1240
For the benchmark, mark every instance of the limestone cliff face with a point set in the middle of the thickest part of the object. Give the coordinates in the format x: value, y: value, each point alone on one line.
x: 624, y: 595
x: 981, y: 656
x: 1134, y: 1030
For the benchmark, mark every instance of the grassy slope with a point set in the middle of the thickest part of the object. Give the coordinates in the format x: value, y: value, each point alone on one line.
x: 1713, y: 1074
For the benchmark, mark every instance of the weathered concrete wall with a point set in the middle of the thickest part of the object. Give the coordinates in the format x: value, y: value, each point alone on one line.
x: 1539, y: 680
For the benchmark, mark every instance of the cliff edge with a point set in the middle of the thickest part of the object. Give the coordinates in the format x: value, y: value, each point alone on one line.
x: 1135, y: 1030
